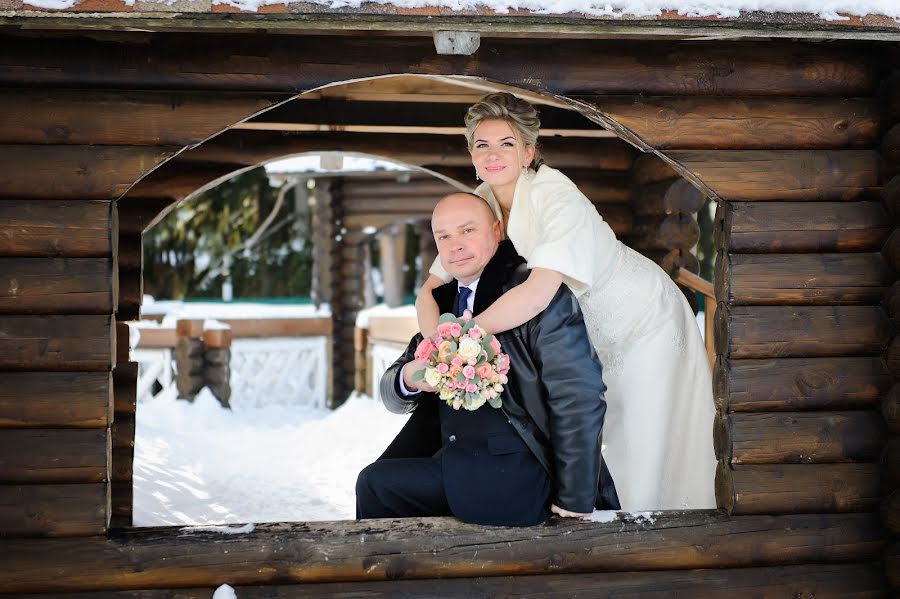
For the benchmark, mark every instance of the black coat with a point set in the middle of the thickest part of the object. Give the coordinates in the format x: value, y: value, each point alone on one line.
x: 554, y: 398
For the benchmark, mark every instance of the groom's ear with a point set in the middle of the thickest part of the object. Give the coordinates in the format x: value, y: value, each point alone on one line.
x: 496, y: 231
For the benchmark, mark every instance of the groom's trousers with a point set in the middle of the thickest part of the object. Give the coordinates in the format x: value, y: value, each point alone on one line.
x: 401, y: 487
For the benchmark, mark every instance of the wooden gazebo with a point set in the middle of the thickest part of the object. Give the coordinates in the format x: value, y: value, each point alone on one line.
x: 111, y: 114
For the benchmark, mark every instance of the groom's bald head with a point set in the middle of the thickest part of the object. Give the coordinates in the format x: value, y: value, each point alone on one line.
x: 466, y: 233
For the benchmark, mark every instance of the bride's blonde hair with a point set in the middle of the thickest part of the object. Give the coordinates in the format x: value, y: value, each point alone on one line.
x: 520, y: 114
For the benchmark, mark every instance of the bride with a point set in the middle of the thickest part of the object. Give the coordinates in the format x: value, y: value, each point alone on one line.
x: 658, y: 431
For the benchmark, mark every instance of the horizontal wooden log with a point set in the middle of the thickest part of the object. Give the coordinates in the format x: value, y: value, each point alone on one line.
x: 56, y: 399
x: 891, y: 249
x: 666, y: 232
x: 125, y: 386
x: 123, y: 342
x: 58, y: 228
x: 247, y: 148
x: 122, y: 430
x: 798, y: 488
x: 671, y: 260
x: 131, y: 252
x: 122, y: 465
x: 754, y: 175
x: 138, y: 214
x: 375, y: 205
x: 57, y: 285
x: 765, y: 227
x: 890, y: 512
x: 891, y: 459
x: 800, y: 437
x: 131, y: 294
x: 800, y: 331
x: 892, y: 304
x: 365, y: 187
x: 256, y: 62
x: 802, y: 279
x: 890, y: 409
x: 53, y: 343
x: 173, y: 181
x: 413, y: 548
x: 62, y: 116
x: 649, y: 169
x: 892, y: 564
x: 54, y: 455
x: 73, y: 510
x: 121, y: 502
x: 667, y: 123
x: 892, y: 357
x: 618, y: 216
x: 822, y: 581
x: 601, y: 188
x: 890, y: 148
x: 667, y: 197
x: 790, y: 384
x: 75, y: 172
x: 890, y: 195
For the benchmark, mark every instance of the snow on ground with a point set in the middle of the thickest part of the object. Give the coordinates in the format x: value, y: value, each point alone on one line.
x: 198, y: 463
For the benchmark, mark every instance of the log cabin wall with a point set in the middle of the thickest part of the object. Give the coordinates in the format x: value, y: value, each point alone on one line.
x: 800, y: 327
x: 799, y: 350
x: 890, y: 403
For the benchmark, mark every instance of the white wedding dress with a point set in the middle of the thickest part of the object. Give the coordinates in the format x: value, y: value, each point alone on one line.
x: 657, y: 435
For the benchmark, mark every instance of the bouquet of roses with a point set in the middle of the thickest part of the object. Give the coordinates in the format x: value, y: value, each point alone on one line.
x: 464, y: 364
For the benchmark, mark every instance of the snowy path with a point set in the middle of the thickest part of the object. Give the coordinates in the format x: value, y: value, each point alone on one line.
x: 201, y: 464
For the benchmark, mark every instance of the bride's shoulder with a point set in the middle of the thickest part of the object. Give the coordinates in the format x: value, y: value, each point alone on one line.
x: 553, y: 187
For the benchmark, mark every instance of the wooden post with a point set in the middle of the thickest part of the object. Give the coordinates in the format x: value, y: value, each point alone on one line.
x: 217, y: 363
x: 189, y: 358
x: 392, y: 247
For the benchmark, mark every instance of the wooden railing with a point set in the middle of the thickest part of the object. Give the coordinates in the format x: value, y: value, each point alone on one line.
x: 277, y: 360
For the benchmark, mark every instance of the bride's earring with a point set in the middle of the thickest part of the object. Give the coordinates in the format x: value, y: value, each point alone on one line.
x: 525, y: 170
x: 477, y: 178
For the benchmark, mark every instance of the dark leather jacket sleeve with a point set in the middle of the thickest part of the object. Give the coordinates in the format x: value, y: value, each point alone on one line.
x: 393, y: 399
x: 573, y: 378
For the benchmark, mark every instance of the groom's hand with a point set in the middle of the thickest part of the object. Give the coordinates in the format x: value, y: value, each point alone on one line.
x: 411, y: 367
x: 566, y: 513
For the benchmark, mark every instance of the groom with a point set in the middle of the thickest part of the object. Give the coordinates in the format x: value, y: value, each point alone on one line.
x: 511, y: 466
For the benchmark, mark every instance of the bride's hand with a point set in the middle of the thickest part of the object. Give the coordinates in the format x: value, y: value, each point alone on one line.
x: 566, y: 513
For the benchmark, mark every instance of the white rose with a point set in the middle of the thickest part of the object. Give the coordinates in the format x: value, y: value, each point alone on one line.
x: 432, y: 376
x: 468, y: 348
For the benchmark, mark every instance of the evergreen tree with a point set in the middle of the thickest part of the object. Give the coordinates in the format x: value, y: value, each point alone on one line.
x: 217, y: 235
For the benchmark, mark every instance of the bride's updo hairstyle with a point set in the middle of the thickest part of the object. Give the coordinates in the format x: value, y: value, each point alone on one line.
x: 521, y: 116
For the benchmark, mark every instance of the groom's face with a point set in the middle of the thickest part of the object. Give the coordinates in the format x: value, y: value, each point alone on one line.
x: 466, y: 233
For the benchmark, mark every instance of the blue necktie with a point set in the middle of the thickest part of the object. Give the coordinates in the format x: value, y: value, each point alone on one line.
x: 461, y: 300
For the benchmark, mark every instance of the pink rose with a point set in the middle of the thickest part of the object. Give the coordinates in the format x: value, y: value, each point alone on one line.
x: 443, y: 329
x: 495, y: 345
x: 424, y: 350
x: 471, y: 388
x: 475, y: 333
x: 469, y: 372
x: 484, y: 371
x: 457, y: 361
x: 455, y: 329
x: 503, y: 363
x: 443, y: 368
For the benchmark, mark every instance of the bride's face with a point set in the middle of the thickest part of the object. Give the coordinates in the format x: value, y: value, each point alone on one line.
x: 498, y: 153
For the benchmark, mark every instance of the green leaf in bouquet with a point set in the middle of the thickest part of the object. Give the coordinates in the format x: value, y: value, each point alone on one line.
x: 496, y: 402
x: 418, y: 375
x: 486, y: 344
x: 460, y: 378
x: 446, y: 317
x: 467, y: 326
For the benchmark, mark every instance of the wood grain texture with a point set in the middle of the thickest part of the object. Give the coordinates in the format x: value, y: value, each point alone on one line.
x: 56, y: 399
x: 71, y: 510
x: 58, y: 286
x: 58, y: 228
x: 57, y: 343
x: 54, y: 455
